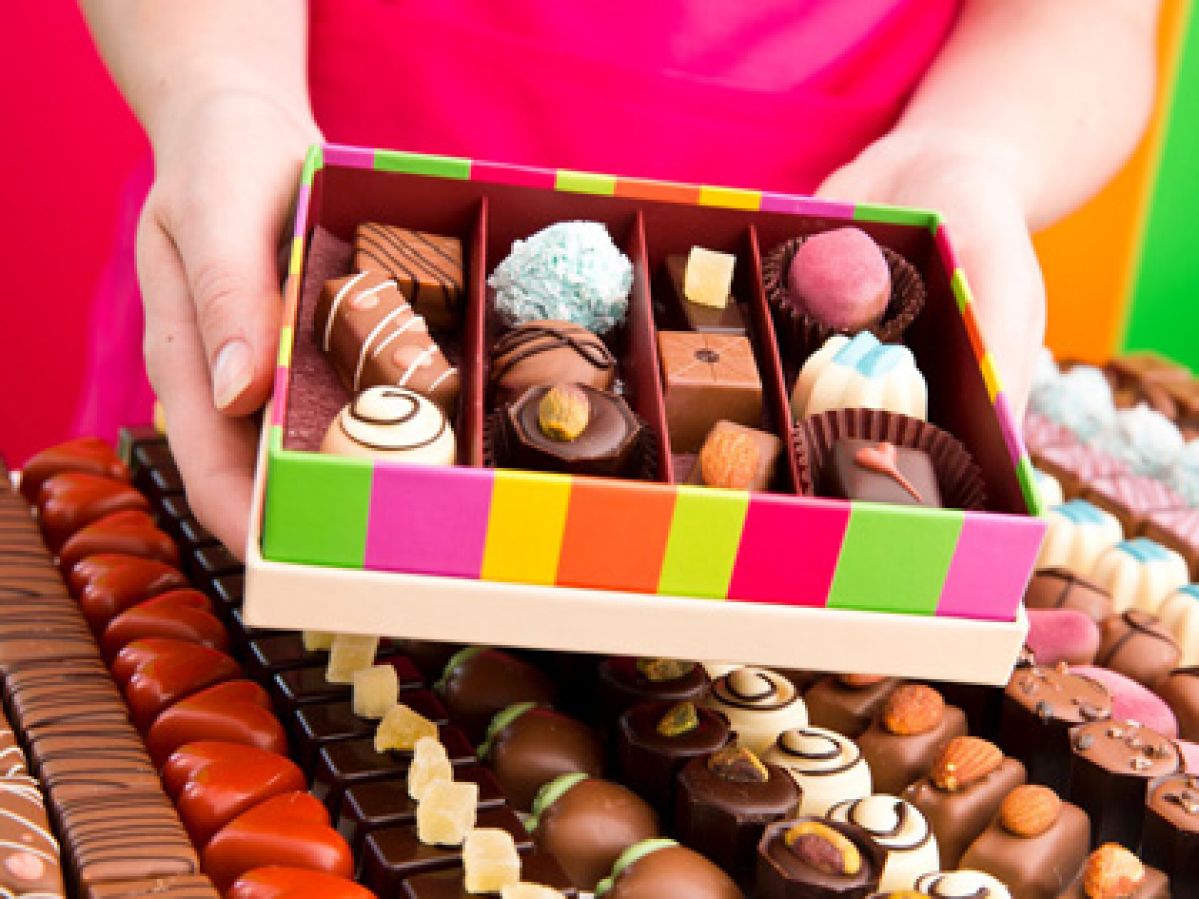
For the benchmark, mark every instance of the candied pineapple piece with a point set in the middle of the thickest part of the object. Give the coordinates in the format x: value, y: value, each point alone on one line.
x: 376, y: 689
x: 317, y: 641
x: 401, y: 728
x: 430, y: 763
x: 530, y: 891
x: 708, y: 277
x: 348, y: 653
x: 447, y: 812
x: 490, y: 860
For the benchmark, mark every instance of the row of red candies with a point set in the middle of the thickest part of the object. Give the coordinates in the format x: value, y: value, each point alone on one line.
x: 220, y: 749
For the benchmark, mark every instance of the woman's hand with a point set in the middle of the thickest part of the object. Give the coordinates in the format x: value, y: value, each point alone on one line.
x: 226, y: 170
x: 986, y: 221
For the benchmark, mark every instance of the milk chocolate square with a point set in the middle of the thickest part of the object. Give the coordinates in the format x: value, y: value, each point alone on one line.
x: 426, y: 267
x: 725, y: 320
x: 880, y: 472
x: 706, y: 378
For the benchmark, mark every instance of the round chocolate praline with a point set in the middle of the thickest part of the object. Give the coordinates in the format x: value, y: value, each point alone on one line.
x: 528, y: 746
x: 662, y: 869
x: 650, y: 759
x: 479, y: 682
x: 541, y: 353
x: 962, y: 885
x: 785, y: 873
x: 625, y: 681
x: 827, y: 766
x: 900, y: 829
x: 586, y: 823
x: 759, y: 705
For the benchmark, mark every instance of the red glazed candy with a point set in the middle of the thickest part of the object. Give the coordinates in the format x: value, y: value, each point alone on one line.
x: 162, y: 681
x: 291, y: 830
x: 67, y: 502
x: 222, y: 790
x: 90, y: 454
x: 108, y: 583
x: 235, y: 712
x: 131, y: 533
x: 164, y: 619
x: 186, y: 761
x: 185, y: 598
x: 137, y: 653
x: 277, y: 882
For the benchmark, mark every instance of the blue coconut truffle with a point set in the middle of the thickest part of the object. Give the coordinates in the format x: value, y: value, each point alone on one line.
x: 1183, y: 476
x: 570, y: 271
x: 1082, y: 402
x: 1147, y: 441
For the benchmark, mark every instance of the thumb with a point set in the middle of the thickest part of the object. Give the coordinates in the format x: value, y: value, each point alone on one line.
x: 228, y: 251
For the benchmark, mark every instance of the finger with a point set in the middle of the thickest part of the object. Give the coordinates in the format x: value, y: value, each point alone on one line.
x: 226, y: 236
x: 215, y: 452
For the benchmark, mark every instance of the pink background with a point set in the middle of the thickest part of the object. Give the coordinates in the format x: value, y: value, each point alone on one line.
x: 70, y: 145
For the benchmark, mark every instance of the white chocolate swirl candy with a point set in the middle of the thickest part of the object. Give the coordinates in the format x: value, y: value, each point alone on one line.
x: 962, y: 884
x: 759, y: 704
x: 1180, y: 616
x: 1077, y: 533
x: 391, y: 423
x: 902, y: 831
x: 860, y: 373
x: 1139, y: 574
x: 828, y: 767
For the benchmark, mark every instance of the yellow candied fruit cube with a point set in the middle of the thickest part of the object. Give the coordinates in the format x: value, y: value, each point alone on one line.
x: 530, y: 891
x: 348, y: 653
x: 430, y: 764
x: 317, y: 641
x: 708, y: 278
x: 490, y: 860
x: 401, y: 728
x: 446, y: 814
x: 376, y: 689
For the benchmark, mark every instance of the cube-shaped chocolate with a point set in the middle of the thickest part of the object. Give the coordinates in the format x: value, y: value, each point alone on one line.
x: 427, y: 268
x: 706, y: 378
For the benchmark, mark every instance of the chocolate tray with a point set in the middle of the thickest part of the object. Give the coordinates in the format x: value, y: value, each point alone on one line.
x: 478, y: 554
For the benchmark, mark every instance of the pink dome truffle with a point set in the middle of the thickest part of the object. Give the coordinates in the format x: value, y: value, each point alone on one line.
x: 1062, y: 635
x: 841, y: 279
x: 1131, y: 701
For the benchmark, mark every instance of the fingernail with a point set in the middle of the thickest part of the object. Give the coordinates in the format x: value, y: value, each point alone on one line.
x: 231, y: 372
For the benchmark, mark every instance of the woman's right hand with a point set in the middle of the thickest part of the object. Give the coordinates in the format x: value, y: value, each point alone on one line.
x: 226, y: 171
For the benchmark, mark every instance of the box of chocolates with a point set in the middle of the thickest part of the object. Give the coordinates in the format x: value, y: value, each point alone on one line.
x: 571, y: 411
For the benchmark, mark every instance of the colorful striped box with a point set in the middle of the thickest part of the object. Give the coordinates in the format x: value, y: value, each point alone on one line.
x: 466, y: 531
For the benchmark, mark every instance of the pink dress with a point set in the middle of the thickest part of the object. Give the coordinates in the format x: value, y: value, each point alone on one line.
x: 770, y: 94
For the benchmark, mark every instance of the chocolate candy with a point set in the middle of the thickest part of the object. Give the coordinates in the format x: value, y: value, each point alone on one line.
x: 479, y: 682
x: 1180, y: 616
x: 1114, y: 761
x: 1075, y: 465
x: 961, y: 885
x: 880, y: 472
x: 815, y: 857
x: 736, y: 457
x: 1136, y: 645
x: 603, y: 440
x: 528, y: 746
x: 280, y: 882
x: 183, y: 886
x: 1062, y: 636
x: 219, y: 791
x: 535, y: 867
x: 1178, y: 530
x: 109, y: 583
x: 1180, y: 690
x: 660, y: 868
x: 759, y: 704
x: 177, y: 621
x: 1077, y: 533
x: 1139, y: 574
x: 586, y: 823
x: 1111, y: 870
x: 130, y: 533
x: 29, y: 858
x: 722, y: 318
x: 1170, y: 836
x: 391, y: 423
x: 1040, y: 706
x: 827, y: 766
x: 1059, y: 588
x: 840, y: 279
x: 374, y: 339
x: 656, y: 739
x: 542, y: 353
x: 1132, y: 499
x: 427, y: 268
x: 706, y: 378
x: 847, y: 703
x: 72, y: 500
x: 899, y: 828
x: 901, y: 744
x: 84, y: 454
x: 625, y: 681
x: 859, y: 372
x: 236, y: 711
x: 725, y: 802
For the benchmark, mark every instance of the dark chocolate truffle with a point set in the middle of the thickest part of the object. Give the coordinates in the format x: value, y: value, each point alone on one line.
x: 625, y: 681
x: 528, y: 746
x: 586, y: 823
x: 479, y: 682
x: 662, y: 869
x: 1114, y: 761
x: 902, y: 742
x: 1059, y: 588
x: 724, y: 803
x: 1135, y: 644
x: 1170, y: 838
x: 541, y: 353
x: 573, y: 429
x: 814, y: 858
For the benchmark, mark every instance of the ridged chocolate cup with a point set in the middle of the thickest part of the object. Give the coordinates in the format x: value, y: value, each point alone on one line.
x: 801, y: 334
x: 642, y: 463
x: 958, y: 477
